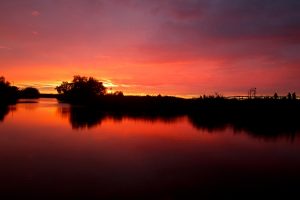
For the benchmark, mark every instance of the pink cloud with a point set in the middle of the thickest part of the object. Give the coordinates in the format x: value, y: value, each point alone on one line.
x: 35, y: 13
x: 4, y: 47
x: 34, y: 33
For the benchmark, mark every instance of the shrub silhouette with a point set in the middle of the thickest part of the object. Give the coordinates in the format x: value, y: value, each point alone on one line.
x: 294, y: 96
x: 81, y: 89
x: 8, y: 93
x: 30, y: 93
x: 119, y: 93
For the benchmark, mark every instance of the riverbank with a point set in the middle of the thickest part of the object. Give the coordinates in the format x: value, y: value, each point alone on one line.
x: 169, y: 104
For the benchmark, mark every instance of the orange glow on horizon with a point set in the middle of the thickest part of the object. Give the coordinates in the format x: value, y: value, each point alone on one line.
x: 152, y: 47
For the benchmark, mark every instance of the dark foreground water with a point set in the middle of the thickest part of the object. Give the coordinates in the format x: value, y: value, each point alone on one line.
x: 51, y: 150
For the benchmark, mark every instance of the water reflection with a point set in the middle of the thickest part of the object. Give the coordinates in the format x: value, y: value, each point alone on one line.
x: 258, y: 127
x: 137, y: 156
x: 4, y: 110
x: 82, y: 118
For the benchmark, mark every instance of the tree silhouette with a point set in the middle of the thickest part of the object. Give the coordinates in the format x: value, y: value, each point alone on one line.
x: 30, y: 93
x: 289, y: 96
x: 3, y: 83
x: 81, y: 89
x: 294, y: 96
x: 8, y: 93
x: 118, y: 93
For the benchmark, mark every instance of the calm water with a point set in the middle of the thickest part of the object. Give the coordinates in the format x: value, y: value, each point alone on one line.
x: 52, y: 150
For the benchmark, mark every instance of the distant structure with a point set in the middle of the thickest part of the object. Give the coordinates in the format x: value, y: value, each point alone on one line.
x: 252, y: 93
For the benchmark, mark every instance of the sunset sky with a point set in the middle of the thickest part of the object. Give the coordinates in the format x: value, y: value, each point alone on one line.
x: 168, y: 47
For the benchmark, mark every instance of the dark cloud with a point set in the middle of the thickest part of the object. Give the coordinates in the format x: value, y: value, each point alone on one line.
x: 230, y: 28
x: 236, y: 19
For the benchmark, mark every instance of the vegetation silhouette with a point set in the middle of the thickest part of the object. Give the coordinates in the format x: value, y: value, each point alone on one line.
x: 8, y: 94
x: 81, y: 90
x: 267, y: 117
x: 29, y: 93
x: 294, y: 96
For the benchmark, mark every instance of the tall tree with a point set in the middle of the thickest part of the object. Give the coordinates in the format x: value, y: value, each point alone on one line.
x: 81, y: 89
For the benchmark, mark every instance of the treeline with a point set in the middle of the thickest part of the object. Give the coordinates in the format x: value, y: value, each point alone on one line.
x: 10, y: 94
x: 91, y: 92
x: 259, y: 116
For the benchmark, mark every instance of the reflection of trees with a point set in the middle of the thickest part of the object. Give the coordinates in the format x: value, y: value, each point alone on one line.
x: 4, y: 110
x: 207, y: 124
x: 259, y: 126
x: 84, y: 117
x: 266, y: 118
x: 266, y: 123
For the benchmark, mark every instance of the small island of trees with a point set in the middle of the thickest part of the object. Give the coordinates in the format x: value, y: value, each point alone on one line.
x: 10, y: 94
x: 29, y: 93
x: 81, y: 90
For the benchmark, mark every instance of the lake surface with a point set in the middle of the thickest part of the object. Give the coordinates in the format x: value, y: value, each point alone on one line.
x: 49, y: 149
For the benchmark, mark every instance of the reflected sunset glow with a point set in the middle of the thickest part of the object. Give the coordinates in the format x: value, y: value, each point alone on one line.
x: 43, y: 147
